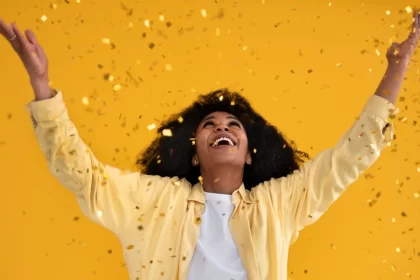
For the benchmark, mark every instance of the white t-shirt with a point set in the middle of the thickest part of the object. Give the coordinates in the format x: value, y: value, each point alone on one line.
x: 216, y: 256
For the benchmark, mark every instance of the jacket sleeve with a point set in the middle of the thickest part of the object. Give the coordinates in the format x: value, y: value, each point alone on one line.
x: 105, y: 194
x: 302, y: 197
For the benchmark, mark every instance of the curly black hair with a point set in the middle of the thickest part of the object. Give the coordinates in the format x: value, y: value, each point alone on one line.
x: 169, y: 156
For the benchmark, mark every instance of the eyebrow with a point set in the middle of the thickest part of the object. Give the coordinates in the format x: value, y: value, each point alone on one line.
x: 212, y: 117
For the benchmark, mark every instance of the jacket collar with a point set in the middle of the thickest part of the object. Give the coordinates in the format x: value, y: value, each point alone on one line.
x: 197, y: 194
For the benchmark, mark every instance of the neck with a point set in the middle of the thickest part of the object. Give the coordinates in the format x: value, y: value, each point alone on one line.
x: 222, y: 179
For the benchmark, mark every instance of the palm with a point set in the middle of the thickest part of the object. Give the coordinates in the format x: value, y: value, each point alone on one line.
x: 403, y: 51
x: 28, y: 49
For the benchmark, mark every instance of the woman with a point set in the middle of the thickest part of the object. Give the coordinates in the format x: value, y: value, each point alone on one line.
x: 221, y: 194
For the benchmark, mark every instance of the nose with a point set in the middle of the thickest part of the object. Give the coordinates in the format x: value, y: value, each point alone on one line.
x: 221, y: 128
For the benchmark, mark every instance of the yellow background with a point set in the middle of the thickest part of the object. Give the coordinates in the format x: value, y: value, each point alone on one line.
x: 257, y: 47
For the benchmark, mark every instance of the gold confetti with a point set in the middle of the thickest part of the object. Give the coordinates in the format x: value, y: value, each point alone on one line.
x: 180, y: 119
x: 329, y: 4
x: 117, y: 87
x: 204, y: 13
x: 416, y: 195
x: 408, y: 9
x: 44, y: 18
x: 388, y: 12
x: 130, y: 247
x: 167, y: 132
x: 398, y: 250
x: 255, y: 151
x: 85, y: 100
x: 151, y: 126
x: 200, y: 179
x: 161, y: 17
x: 53, y: 6
x: 147, y: 23
x: 168, y: 67
x: 106, y: 41
x: 378, y: 53
x: 99, y: 213
x: 221, y: 97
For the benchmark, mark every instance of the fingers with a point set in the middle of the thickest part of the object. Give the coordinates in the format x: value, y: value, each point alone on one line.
x: 416, y: 25
x: 6, y: 30
x: 19, y: 36
x: 31, y: 37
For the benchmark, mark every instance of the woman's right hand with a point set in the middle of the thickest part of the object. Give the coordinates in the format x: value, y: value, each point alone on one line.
x: 32, y: 56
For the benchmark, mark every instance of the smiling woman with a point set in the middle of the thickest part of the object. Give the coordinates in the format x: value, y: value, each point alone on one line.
x: 221, y: 114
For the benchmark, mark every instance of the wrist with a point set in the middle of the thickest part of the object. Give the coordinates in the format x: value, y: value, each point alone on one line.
x: 41, y: 88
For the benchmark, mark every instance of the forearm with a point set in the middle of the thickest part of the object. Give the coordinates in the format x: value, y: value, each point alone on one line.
x: 392, y: 81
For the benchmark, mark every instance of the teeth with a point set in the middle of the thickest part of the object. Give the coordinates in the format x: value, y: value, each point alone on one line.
x: 216, y: 142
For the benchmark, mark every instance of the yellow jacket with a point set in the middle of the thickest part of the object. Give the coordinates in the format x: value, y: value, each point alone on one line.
x: 157, y: 220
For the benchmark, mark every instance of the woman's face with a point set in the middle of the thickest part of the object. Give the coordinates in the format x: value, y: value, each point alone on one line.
x: 221, y: 140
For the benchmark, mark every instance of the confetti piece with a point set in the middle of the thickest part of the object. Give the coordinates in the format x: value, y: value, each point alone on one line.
x: 130, y: 247
x: 204, y: 13
x: 255, y: 151
x: 151, y: 126
x: 398, y: 250
x: 408, y: 9
x: 161, y: 17
x: 221, y: 97
x: 147, y: 23
x: 99, y: 213
x: 388, y: 12
x: 117, y: 87
x: 167, y: 132
x: 329, y: 4
x: 85, y: 100
x: 200, y: 179
x: 53, y: 6
x: 180, y: 119
x: 44, y: 18
x: 106, y: 41
x: 168, y: 67
x: 377, y: 52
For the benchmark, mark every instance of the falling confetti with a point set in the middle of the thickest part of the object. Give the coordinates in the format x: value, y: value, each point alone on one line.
x: 203, y: 13
x: 151, y: 126
x: 147, y: 23
x: 167, y: 132
x: 85, y: 100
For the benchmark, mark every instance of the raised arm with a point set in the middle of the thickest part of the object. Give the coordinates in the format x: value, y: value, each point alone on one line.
x: 301, y: 198
x: 106, y: 195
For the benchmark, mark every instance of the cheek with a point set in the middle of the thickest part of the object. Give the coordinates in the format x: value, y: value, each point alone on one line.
x: 200, y: 142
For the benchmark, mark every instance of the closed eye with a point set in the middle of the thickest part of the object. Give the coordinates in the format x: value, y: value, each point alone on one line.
x: 207, y: 123
x: 234, y: 123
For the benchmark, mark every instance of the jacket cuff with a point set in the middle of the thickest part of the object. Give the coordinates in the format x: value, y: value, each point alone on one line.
x: 380, y: 107
x: 47, y: 109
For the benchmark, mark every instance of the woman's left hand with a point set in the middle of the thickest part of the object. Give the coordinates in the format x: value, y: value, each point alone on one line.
x: 402, y: 52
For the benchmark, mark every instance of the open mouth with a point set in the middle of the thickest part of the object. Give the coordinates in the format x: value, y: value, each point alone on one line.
x: 223, y: 141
